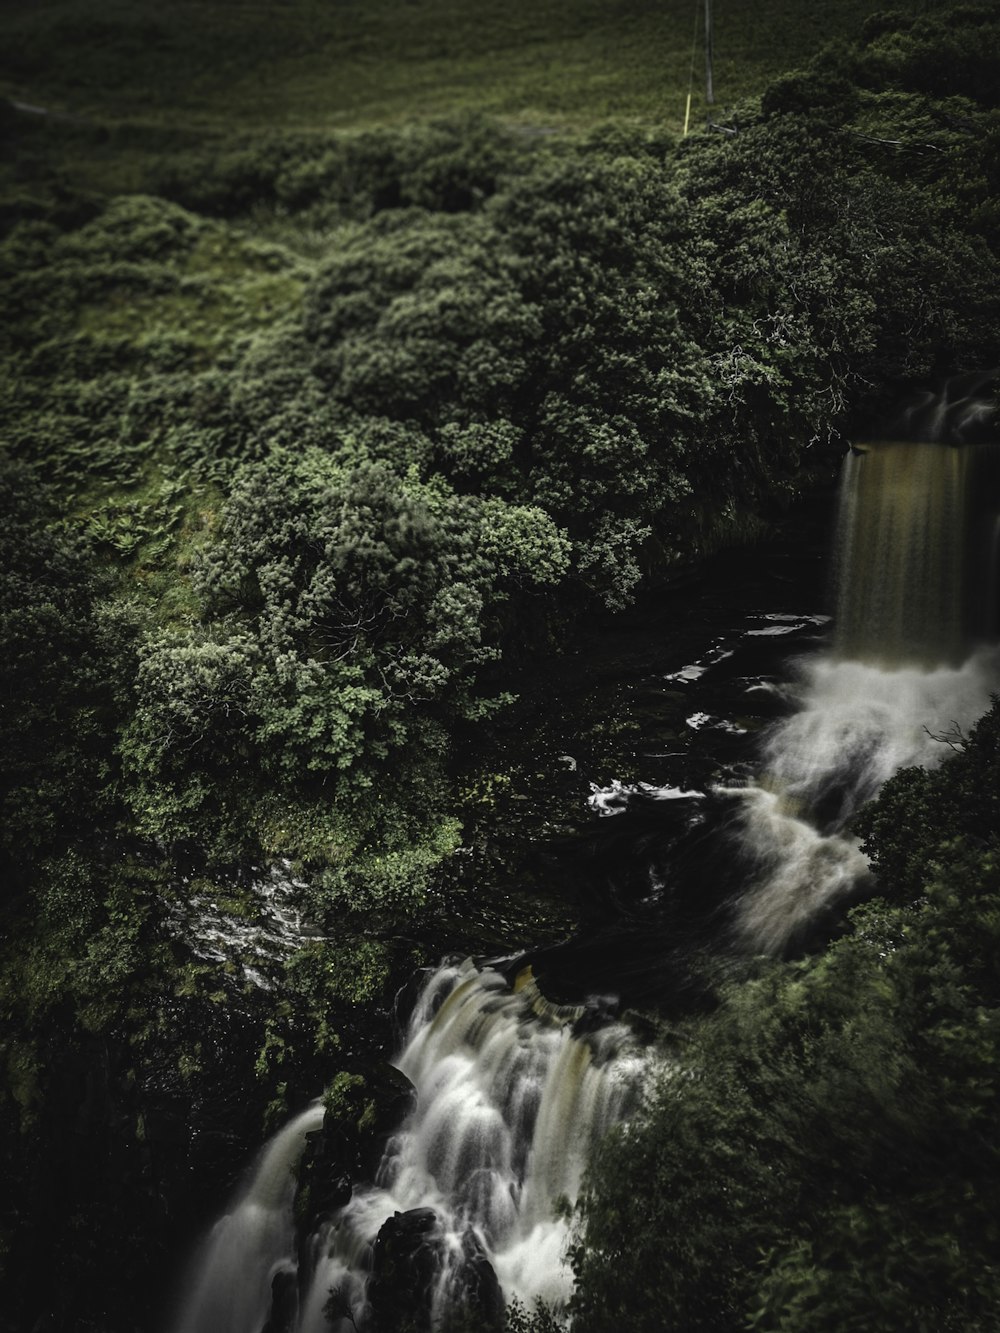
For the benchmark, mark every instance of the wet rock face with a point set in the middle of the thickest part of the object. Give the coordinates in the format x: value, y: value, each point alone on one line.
x: 392, y: 1098
x: 326, y: 1173
x: 408, y: 1256
x: 412, y: 1258
x: 480, y: 1285
x: 284, y: 1303
x: 348, y: 1146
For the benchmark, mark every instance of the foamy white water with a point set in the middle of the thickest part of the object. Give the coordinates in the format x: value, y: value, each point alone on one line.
x: 510, y: 1104
x: 797, y: 875
x: 855, y: 725
x: 614, y: 798
x: 858, y: 724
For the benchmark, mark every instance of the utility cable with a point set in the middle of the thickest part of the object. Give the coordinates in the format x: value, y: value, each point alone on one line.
x: 694, y: 51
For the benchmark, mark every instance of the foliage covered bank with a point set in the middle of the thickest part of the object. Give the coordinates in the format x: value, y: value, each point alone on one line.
x: 829, y: 1155
x: 333, y: 431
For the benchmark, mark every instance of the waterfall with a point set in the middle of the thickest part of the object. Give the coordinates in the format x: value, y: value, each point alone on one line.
x: 511, y: 1097
x: 913, y: 553
x: 915, y: 569
x: 510, y: 1101
x: 252, y: 1247
x: 468, y: 1207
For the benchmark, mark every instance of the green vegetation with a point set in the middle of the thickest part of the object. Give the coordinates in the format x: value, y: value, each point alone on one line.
x: 825, y: 1153
x: 347, y: 608
x: 329, y: 66
x: 311, y: 434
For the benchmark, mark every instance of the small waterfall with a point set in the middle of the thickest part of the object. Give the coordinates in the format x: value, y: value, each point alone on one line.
x: 253, y: 1245
x: 916, y: 555
x: 510, y: 1101
x: 913, y: 553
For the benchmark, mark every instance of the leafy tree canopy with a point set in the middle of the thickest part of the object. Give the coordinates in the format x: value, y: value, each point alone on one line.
x: 347, y: 611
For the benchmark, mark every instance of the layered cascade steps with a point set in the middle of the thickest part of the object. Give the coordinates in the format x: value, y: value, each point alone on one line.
x: 510, y: 1098
x: 468, y: 1208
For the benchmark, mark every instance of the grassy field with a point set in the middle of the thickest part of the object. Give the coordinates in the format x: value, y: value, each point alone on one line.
x: 207, y: 65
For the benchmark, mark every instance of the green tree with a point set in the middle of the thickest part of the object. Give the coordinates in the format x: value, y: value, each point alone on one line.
x: 348, y: 611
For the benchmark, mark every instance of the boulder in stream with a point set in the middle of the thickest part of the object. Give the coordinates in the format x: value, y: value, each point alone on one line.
x: 412, y: 1258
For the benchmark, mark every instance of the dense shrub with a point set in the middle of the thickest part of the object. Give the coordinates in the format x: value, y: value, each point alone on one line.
x: 448, y: 166
x: 60, y: 680
x: 348, y: 609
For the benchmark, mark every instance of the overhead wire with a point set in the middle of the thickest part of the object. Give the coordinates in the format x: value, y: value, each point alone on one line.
x: 694, y: 51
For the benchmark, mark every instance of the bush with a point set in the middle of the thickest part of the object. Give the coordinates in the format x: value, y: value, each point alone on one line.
x: 348, y: 611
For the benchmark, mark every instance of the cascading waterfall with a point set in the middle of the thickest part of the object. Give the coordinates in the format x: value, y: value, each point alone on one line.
x: 914, y: 567
x: 913, y: 553
x: 512, y: 1092
x: 511, y: 1097
x: 509, y: 1104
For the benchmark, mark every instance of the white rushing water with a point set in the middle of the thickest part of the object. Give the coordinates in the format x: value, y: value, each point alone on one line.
x: 509, y: 1104
x: 854, y: 726
x: 615, y: 797
x: 230, y: 1290
x: 248, y: 930
x: 510, y: 1101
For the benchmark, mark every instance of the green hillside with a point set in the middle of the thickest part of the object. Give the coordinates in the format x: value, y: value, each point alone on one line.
x: 307, y: 64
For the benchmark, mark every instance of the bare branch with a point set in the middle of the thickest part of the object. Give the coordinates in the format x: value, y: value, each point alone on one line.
x: 955, y: 738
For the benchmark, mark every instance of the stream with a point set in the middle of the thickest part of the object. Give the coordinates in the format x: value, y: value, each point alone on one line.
x: 726, y: 829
